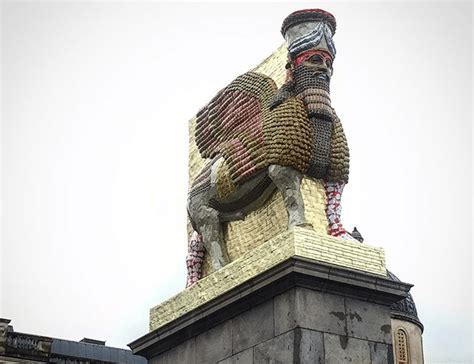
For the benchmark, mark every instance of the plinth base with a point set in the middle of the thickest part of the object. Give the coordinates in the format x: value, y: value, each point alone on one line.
x: 298, y: 311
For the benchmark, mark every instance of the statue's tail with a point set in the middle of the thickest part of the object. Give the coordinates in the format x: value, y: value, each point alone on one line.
x: 195, y: 259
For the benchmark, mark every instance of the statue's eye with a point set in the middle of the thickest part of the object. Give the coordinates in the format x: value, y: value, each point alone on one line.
x: 315, y: 58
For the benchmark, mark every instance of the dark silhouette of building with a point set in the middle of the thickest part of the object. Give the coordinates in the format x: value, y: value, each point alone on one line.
x: 19, y: 347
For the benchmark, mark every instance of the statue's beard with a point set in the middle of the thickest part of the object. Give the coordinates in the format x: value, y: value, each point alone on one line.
x: 313, y: 88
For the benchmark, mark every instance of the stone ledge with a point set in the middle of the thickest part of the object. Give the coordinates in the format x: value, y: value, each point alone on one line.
x: 296, y: 242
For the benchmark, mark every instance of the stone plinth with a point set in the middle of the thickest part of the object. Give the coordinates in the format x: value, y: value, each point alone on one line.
x: 296, y: 242
x: 282, y: 305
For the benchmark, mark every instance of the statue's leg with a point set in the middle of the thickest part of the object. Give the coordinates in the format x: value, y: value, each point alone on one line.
x: 333, y: 210
x: 194, y: 259
x: 210, y: 228
x: 288, y: 182
x: 206, y: 221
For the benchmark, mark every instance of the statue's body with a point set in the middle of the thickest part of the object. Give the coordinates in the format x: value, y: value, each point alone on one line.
x: 258, y: 139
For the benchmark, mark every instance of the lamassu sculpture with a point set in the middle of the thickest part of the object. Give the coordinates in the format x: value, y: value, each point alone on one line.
x: 258, y: 138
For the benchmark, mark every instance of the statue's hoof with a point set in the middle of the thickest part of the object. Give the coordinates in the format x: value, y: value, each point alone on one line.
x: 218, y: 265
x: 191, y: 285
x: 348, y: 237
x: 305, y: 225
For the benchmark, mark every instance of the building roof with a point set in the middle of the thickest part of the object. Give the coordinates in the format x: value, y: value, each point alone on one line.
x: 406, y: 308
x: 66, y: 349
x: 26, y: 347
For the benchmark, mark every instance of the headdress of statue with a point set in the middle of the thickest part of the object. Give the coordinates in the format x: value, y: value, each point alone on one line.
x: 309, y: 29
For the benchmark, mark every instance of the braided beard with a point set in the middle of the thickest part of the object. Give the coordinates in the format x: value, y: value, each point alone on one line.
x: 314, y: 92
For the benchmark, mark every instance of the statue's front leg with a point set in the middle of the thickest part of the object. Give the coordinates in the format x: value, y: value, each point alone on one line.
x: 195, y: 259
x: 208, y: 235
x: 333, y: 210
x: 210, y: 228
x: 288, y: 182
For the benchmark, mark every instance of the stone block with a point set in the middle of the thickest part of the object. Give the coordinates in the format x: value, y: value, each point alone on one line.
x: 284, y: 311
x: 214, y: 344
x: 252, y: 327
x: 183, y: 354
x: 342, y: 349
x: 309, y: 309
x: 320, y: 311
x: 368, y: 321
x: 244, y: 357
x: 311, y: 346
x: 295, y: 346
x: 381, y: 353
x: 277, y: 350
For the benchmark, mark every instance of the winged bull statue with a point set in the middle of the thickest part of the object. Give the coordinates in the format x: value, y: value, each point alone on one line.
x: 258, y: 138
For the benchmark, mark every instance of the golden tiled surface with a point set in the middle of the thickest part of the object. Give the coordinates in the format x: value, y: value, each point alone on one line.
x: 298, y: 241
x: 274, y: 65
x: 346, y: 253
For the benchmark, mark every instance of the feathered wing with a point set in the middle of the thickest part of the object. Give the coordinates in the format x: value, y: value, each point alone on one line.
x: 232, y: 125
x: 240, y: 125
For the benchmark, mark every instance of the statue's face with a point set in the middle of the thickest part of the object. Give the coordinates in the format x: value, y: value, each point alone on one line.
x: 318, y: 60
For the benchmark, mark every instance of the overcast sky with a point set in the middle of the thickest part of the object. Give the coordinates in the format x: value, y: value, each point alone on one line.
x: 96, y: 99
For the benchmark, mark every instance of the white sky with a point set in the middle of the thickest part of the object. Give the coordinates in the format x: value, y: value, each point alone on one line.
x: 96, y: 99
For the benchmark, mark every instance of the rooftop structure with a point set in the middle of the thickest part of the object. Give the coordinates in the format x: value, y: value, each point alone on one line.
x: 20, y: 347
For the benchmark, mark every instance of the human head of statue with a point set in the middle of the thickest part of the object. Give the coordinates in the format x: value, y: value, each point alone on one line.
x: 308, y: 34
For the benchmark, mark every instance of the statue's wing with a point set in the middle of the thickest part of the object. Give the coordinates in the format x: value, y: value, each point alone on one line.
x: 231, y: 125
